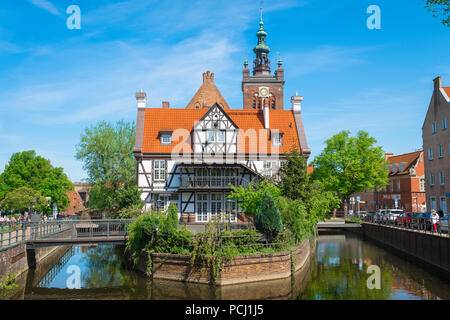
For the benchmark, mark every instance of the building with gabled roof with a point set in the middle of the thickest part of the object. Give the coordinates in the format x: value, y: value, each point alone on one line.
x: 190, y: 156
x: 406, y: 188
x: 436, y: 145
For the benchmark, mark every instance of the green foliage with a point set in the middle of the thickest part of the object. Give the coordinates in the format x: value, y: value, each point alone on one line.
x: 107, y: 153
x: 349, y: 165
x: 294, y: 182
x: 141, y: 232
x: 9, y: 283
x: 171, y: 223
x: 130, y: 213
x: 177, y: 241
x: 439, y: 8
x: 250, y: 198
x: 296, y: 218
x: 114, y: 200
x: 268, y: 218
x: 26, y: 169
x: 22, y: 199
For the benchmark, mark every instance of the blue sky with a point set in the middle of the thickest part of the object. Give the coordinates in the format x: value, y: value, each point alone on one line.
x: 54, y: 81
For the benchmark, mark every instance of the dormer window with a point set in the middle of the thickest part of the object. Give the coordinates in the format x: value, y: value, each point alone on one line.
x: 166, y: 137
x: 277, y: 138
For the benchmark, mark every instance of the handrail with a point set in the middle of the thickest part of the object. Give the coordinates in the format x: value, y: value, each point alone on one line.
x: 410, y: 223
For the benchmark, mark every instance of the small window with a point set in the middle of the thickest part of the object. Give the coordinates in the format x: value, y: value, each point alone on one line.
x: 400, y: 167
x: 441, y: 178
x: 166, y: 139
x: 444, y: 124
x: 433, y: 203
x: 277, y: 140
x: 433, y: 127
x: 160, y: 170
x: 431, y: 179
x: 422, y: 185
x: 440, y: 151
x: 430, y: 153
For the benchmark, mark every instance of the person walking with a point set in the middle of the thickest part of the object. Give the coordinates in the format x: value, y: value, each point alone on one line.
x: 434, y: 219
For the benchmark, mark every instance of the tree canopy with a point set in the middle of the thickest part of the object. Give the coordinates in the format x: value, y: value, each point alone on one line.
x: 349, y: 165
x: 439, y: 9
x: 22, y: 199
x: 26, y: 169
x: 106, y: 150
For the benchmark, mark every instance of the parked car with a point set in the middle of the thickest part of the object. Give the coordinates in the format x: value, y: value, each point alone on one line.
x: 389, y: 215
x: 443, y: 223
x: 406, y: 218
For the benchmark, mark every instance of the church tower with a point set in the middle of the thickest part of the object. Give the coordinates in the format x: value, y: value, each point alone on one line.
x: 262, y: 89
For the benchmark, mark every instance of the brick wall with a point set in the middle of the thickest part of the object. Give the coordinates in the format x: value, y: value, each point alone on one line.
x: 242, y: 269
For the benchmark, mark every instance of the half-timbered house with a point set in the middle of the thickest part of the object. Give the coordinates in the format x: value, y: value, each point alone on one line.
x: 191, y: 156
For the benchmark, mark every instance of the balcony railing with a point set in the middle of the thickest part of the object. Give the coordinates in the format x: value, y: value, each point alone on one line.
x: 205, y: 182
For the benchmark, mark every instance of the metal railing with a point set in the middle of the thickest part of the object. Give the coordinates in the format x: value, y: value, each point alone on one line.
x: 411, y: 223
x: 102, y: 228
x: 211, y: 181
x: 12, y: 234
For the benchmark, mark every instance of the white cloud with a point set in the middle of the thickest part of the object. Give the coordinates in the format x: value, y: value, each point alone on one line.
x: 46, y: 5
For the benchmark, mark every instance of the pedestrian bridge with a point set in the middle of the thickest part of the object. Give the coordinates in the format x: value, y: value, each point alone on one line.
x: 77, y: 232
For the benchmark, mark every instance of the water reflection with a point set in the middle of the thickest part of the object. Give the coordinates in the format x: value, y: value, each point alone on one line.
x: 337, y: 270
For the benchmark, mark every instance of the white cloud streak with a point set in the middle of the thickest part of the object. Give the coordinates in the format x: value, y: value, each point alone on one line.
x: 46, y: 5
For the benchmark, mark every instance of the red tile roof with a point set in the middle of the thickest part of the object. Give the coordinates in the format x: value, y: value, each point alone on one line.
x: 447, y: 91
x: 407, y: 159
x: 157, y: 119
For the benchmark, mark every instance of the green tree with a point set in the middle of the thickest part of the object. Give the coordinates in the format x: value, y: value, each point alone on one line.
x: 268, y: 218
x: 349, y: 165
x: 294, y: 182
x: 26, y: 169
x: 22, y: 199
x: 439, y: 8
x: 297, y: 185
x: 106, y: 151
x: 250, y: 198
x: 172, y: 218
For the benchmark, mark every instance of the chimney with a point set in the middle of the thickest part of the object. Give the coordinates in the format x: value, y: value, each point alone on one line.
x: 437, y: 83
x: 141, y: 98
x: 165, y: 105
x: 208, y: 77
x: 388, y: 155
x: 297, y: 103
x: 266, y: 117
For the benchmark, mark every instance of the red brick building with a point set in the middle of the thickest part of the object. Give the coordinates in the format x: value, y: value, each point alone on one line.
x: 406, y: 185
x: 76, y: 204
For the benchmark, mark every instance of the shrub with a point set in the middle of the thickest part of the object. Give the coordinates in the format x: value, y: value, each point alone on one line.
x: 141, y: 231
x: 268, y: 219
x: 178, y: 241
x: 171, y: 221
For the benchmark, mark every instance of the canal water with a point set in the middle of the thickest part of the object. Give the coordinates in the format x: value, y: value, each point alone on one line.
x: 337, y: 270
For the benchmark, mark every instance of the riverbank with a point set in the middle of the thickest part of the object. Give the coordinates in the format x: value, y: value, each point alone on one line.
x: 238, y: 270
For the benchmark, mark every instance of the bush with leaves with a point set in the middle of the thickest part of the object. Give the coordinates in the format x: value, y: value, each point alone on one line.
x: 177, y: 241
x: 268, y: 219
x: 250, y: 198
x: 171, y: 222
x: 141, y: 232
